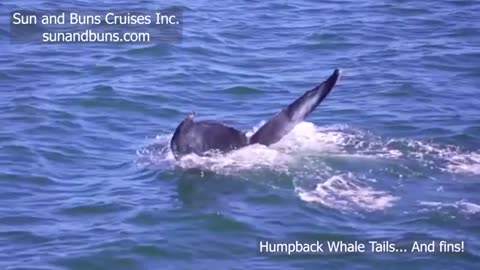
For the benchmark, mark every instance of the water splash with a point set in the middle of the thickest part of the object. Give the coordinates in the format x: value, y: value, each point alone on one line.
x: 301, y: 154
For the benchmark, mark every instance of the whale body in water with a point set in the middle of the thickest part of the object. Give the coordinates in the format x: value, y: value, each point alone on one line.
x: 203, y: 137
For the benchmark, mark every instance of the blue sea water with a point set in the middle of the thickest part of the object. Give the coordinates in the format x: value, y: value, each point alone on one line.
x: 393, y: 154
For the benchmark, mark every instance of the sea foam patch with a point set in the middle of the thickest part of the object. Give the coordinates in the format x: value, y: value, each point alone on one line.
x: 345, y: 192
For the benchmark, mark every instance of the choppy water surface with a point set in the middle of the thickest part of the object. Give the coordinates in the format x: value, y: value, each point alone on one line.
x: 87, y: 180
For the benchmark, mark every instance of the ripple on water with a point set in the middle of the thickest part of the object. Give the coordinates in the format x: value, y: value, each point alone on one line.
x: 103, y: 90
x: 93, y: 209
x: 242, y: 90
x: 24, y: 237
x: 150, y: 250
x: 4, y: 76
x: 33, y: 179
x: 99, y: 260
x: 221, y: 223
x: 22, y: 220
x: 4, y: 33
x: 155, y: 51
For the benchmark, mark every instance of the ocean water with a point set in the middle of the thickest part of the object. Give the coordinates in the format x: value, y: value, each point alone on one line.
x: 393, y: 154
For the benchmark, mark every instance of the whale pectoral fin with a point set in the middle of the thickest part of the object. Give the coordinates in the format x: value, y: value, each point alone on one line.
x: 283, y: 122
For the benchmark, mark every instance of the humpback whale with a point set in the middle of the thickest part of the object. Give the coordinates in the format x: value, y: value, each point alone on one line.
x: 203, y: 137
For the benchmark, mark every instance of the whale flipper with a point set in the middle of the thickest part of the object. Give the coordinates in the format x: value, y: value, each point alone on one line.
x: 284, y: 121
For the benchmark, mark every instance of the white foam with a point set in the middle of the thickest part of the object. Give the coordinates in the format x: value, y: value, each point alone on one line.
x: 157, y: 152
x: 464, y: 163
x: 447, y: 158
x: 247, y: 158
x: 462, y: 205
x: 343, y: 192
x: 307, y: 138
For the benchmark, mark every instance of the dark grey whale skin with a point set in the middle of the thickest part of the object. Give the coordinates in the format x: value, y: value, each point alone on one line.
x: 203, y: 137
